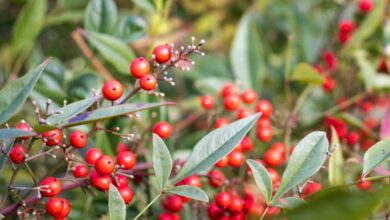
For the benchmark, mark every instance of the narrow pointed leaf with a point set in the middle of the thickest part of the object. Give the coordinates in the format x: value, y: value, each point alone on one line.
x: 304, y: 72
x: 262, y: 178
x: 376, y: 155
x: 215, y: 146
x: 307, y: 158
x: 162, y: 161
x: 116, y: 205
x: 13, y: 95
x: 7, y: 143
x: 190, y: 192
x: 336, y: 161
x: 6, y: 133
x: 289, y: 202
x: 101, y: 16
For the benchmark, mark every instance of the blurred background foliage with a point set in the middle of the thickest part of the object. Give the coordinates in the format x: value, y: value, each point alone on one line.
x: 258, y: 43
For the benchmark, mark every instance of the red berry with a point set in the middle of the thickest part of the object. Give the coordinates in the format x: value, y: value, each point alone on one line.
x: 329, y: 84
x: 344, y: 38
x: 126, y: 193
x: 121, y: 181
x: 80, y: 171
x: 148, y: 82
x: 122, y: 147
x: 207, y: 102
x: 382, y: 66
x: 255, y: 211
x: 229, y: 89
x: 236, y: 204
x: 275, y: 177
x: 272, y: 211
x: 243, y: 113
x: 246, y: 144
x: 249, y: 201
x: 366, y: 106
x: 222, y: 162
x: 312, y: 188
x: 352, y: 138
x: 172, y: 203
x: 101, y: 183
x: 279, y: 146
x: 78, y: 139
x: 24, y: 127
x: 237, y: 216
x: 169, y: 216
x: 162, y: 53
x: 112, y: 90
x: 92, y: 155
x: 17, y: 154
x: 193, y: 180
x: 249, y: 96
x: 162, y: 129
x: 330, y: 59
x: 265, y: 107
x: 58, y: 208
x: 50, y: 187
x: 139, y: 67
x: 126, y: 160
x: 216, y: 178
x: 214, y: 212
x: 104, y: 165
x: 264, y: 123
x: 367, y: 144
x: 273, y: 158
x: 364, y: 185
x: 346, y: 27
x: 52, y: 138
x: 231, y: 102
x: 222, y: 200
x: 236, y: 159
x: 264, y: 134
x: 221, y: 122
x: 365, y: 6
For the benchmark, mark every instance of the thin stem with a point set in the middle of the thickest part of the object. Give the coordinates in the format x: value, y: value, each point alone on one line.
x: 264, y: 213
x: 147, y: 206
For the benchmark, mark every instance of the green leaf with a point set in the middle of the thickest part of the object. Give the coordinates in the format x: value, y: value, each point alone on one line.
x: 262, y: 178
x: 336, y: 161
x: 103, y: 142
x: 355, y: 122
x: 215, y: 146
x: 367, y: 71
x: 307, y: 158
x: 71, y: 110
x: 190, y: 192
x: 147, y: 5
x: 13, y: 95
x: 306, y: 73
x: 71, y: 16
x: 7, y: 133
x: 116, y: 205
x: 162, y: 161
x: 376, y: 155
x: 131, y: 28
x: 101, y: 16
x: 113, y: 50
x: 381, y: 83
x: 7, y: 143
x: 289, y: 202
x: 29, y: 24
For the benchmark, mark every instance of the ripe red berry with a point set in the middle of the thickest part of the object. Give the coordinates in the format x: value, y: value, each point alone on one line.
x: 279, y: 146
x: 249, y: 96
x: 126, y: 193
x: 346, y: 27
x: 126, y: 160
x: 207, y: 102
x: 101, y: 183
x: 214, y: 212
x: 162, y: 129
x: 121, y: 181
x: 365, y: 6
x: 231, y: 102
x: 92, y: 155
x: 216, y: 178
x: 112, y: 90
x: 265, y: 107
x: 193, y: 180
x: 58, y: 208
x: 364, y: 185
x: 52, y: 138
x: 50, y: 187
x: 24, y: 127
x: 148, y: 82
x: 222, y: 200
x: 162, y: 53
x: 78, y: 139
x: 172, y: 203
x: 330, y: 59
x: 139, y: 67
x: 275, y: 177
x: 329, y: 84
x: 273, y: 158
x: 244, y: 112
x: 352, y: 137
x: 312, y: 188
x: 236, y: 204
x: 169, y: 216
x: 367, y: 144
x: 80, y: 171
x: 264, y: 134
x: 246, y: 144
x: 264, y: 123
x: 104, y: 165
x: 229, y: 89
x: 236, y: 159
x: 272, y: 211
x: 17, y: 154
x: 221, y: 122
x: 222, y: 162
x: 237, y: 216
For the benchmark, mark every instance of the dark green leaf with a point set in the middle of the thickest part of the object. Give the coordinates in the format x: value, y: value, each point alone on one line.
x: 306, y: 73
x: 162, y: 161
x: 131, y: 28
x: 376, y: 155
x: 12, y: 133
x: 289, y: 202
x: 101, y: 16
x: 190, y: 192
x: 262, y: 178
x: 336, y: 161
x: 116, y: 205
x: 6, y: 144
x: 13, y: 95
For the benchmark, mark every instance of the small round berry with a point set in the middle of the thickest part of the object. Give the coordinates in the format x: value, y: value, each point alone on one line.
x: 17, y: 154
x: 121, y: 181
x: 329, y: 84
x: 50, y: 186
x: 346, y: 27
x: 65, y: 209
x: 101, y: 183
x: 246, y: 144
x: 264, y: 123
x: 54, y: 206
x: 172, y: 203
x: 243, y: 113
x: 352, y: 138
x: 162, y: 129
x: 162, y: 53
x: 222, y: 162
x: 193, y: 180
x: 229, y: 89
x: 236, y: 159
x: 169, y: 216
x: 312, y: 188
x: 92, y: 155
x: 279, y: 147
x: 52, y: 138
x: 148, y: 82
x: 24, y: 127
x: 78, y: 139
x: 222, y: 200
x: 122, y: 147
x: 231, y: 102
x: 236, y: 204
x: 126, y: 160
x: 273, y: 158
x: 216, y: 178
x: 112, y: 90
x: 126, y: 193
x: 264, y: 134
x: 365, y: 6
x: 249, y: 96
x: 221, y: 122
x: 237, y: 216
x: 214, y: 212
x: 105, y: 165
x: 139, y: 67
x: 207, y: 102
x: 265, y: 107
x: 364, y: 185
x: 80, y: 171
x: 275, y: 177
